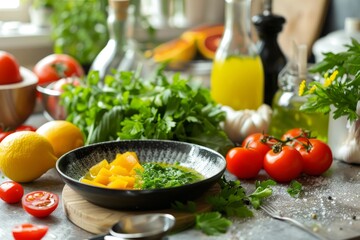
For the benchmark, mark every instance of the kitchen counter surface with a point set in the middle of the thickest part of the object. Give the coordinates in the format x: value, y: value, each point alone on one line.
x: 329, y: 204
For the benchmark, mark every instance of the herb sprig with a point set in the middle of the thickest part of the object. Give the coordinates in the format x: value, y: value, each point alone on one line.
x: 341, y: 87
x: 127, y: 106
x: 232, y: 201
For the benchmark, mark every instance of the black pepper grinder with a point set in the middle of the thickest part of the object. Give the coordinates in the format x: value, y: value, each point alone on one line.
x: 268, y: 26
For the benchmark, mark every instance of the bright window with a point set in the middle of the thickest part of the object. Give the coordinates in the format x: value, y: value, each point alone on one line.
x: 9, y: 4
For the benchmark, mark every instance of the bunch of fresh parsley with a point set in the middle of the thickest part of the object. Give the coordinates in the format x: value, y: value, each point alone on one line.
x: 127, y: 106
x: 343, y: 92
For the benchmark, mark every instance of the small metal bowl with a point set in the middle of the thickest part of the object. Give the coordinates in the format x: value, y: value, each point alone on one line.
x: 50, y: 100
x: 143, y: 226
x: 17, y: 100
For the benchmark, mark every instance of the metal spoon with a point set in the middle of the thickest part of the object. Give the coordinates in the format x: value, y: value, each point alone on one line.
x: 149, y: 226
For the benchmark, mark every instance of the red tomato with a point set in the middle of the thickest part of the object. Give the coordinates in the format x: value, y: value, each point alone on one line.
x: 283, y: 164
x: 57, y: 66
x: 5, y: 134
x: 11, y: 192
x: 21, y: 128
x: 317, y: 157
x: 28, y: 231
x: 258, y: 142
x: 25, y: 128
x: 9, y: 69
x: 40, y: 203
x: 244, y: 163
x: 299, y: 134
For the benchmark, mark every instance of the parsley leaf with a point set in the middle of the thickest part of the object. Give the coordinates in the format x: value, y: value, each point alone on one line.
x: 262, y: 191
x: 295, y: 189
x: 212, y: 223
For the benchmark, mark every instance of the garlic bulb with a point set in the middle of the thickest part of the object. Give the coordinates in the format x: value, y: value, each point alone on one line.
x: 239, y: 124
x: 350, y: 148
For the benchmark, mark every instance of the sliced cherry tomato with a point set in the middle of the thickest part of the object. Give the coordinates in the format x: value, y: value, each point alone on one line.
x: 56, y: 66
x: 283, y: 163
x: 258, y: 142
x: 40, y: 203
x: 28, y: 231
x: 9, y: 69
x: 244, y: 163
x: 317, y: 157
x: 11, y: 192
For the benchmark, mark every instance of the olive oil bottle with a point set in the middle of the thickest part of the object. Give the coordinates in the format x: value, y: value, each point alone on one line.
x: 287, y: 102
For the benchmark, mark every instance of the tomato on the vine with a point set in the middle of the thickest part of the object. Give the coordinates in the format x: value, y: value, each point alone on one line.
x: 317, y: 157
x: 56, y: 66
x: 283, y: 163
x: 11, y: 192
x: 258, y: 142
x: 244, y: 163
x: 40, y: 203
x: 9, y: 69
x: 28, y: 231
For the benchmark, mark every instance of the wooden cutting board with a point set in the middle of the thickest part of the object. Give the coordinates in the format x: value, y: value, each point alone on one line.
x: 304, y: 21
x: 98, y: 220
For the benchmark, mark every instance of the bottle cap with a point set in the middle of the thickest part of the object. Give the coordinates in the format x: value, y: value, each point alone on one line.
x: 267, y: 21
x: 120, y: 8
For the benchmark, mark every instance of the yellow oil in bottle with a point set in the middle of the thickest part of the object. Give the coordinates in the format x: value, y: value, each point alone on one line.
x: 286, y: 115
x: 238, y: 82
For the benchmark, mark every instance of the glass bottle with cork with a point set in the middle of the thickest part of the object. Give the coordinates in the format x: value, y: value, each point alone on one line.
x: 121, y: 53
x: 237, y: 76
x: 286, y: 103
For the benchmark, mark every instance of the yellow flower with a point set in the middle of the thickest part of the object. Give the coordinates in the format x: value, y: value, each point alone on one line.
x: 312, y: 89
x: 329, y: 80
x: 302, y: 87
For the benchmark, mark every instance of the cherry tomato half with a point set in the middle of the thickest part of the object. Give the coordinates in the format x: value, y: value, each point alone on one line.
x: 56, y: 66
x: 40, y: 203
x: 258, y: 142
x: 283, y: 164
x: 317, y: 157
x: 244, y: 163
x: 9, y: 69
x: 11, y: 192
x: 28, y: 231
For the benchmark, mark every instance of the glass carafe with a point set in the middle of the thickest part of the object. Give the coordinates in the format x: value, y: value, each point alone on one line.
x: 237, y: 77
x: 121, y: 53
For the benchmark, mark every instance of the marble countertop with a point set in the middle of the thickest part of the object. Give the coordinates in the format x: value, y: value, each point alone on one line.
x: 334, y: 198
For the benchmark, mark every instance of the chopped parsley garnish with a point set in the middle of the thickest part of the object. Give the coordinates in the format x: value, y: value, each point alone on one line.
x: 161, y: 175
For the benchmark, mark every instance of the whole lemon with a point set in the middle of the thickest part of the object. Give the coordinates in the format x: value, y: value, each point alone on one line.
x: 62, y: 135
x: 25, y: 156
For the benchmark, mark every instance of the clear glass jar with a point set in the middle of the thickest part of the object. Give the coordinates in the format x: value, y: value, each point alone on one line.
x: 286, y: 107
x: 237, y: 77
x: 121, y: 53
